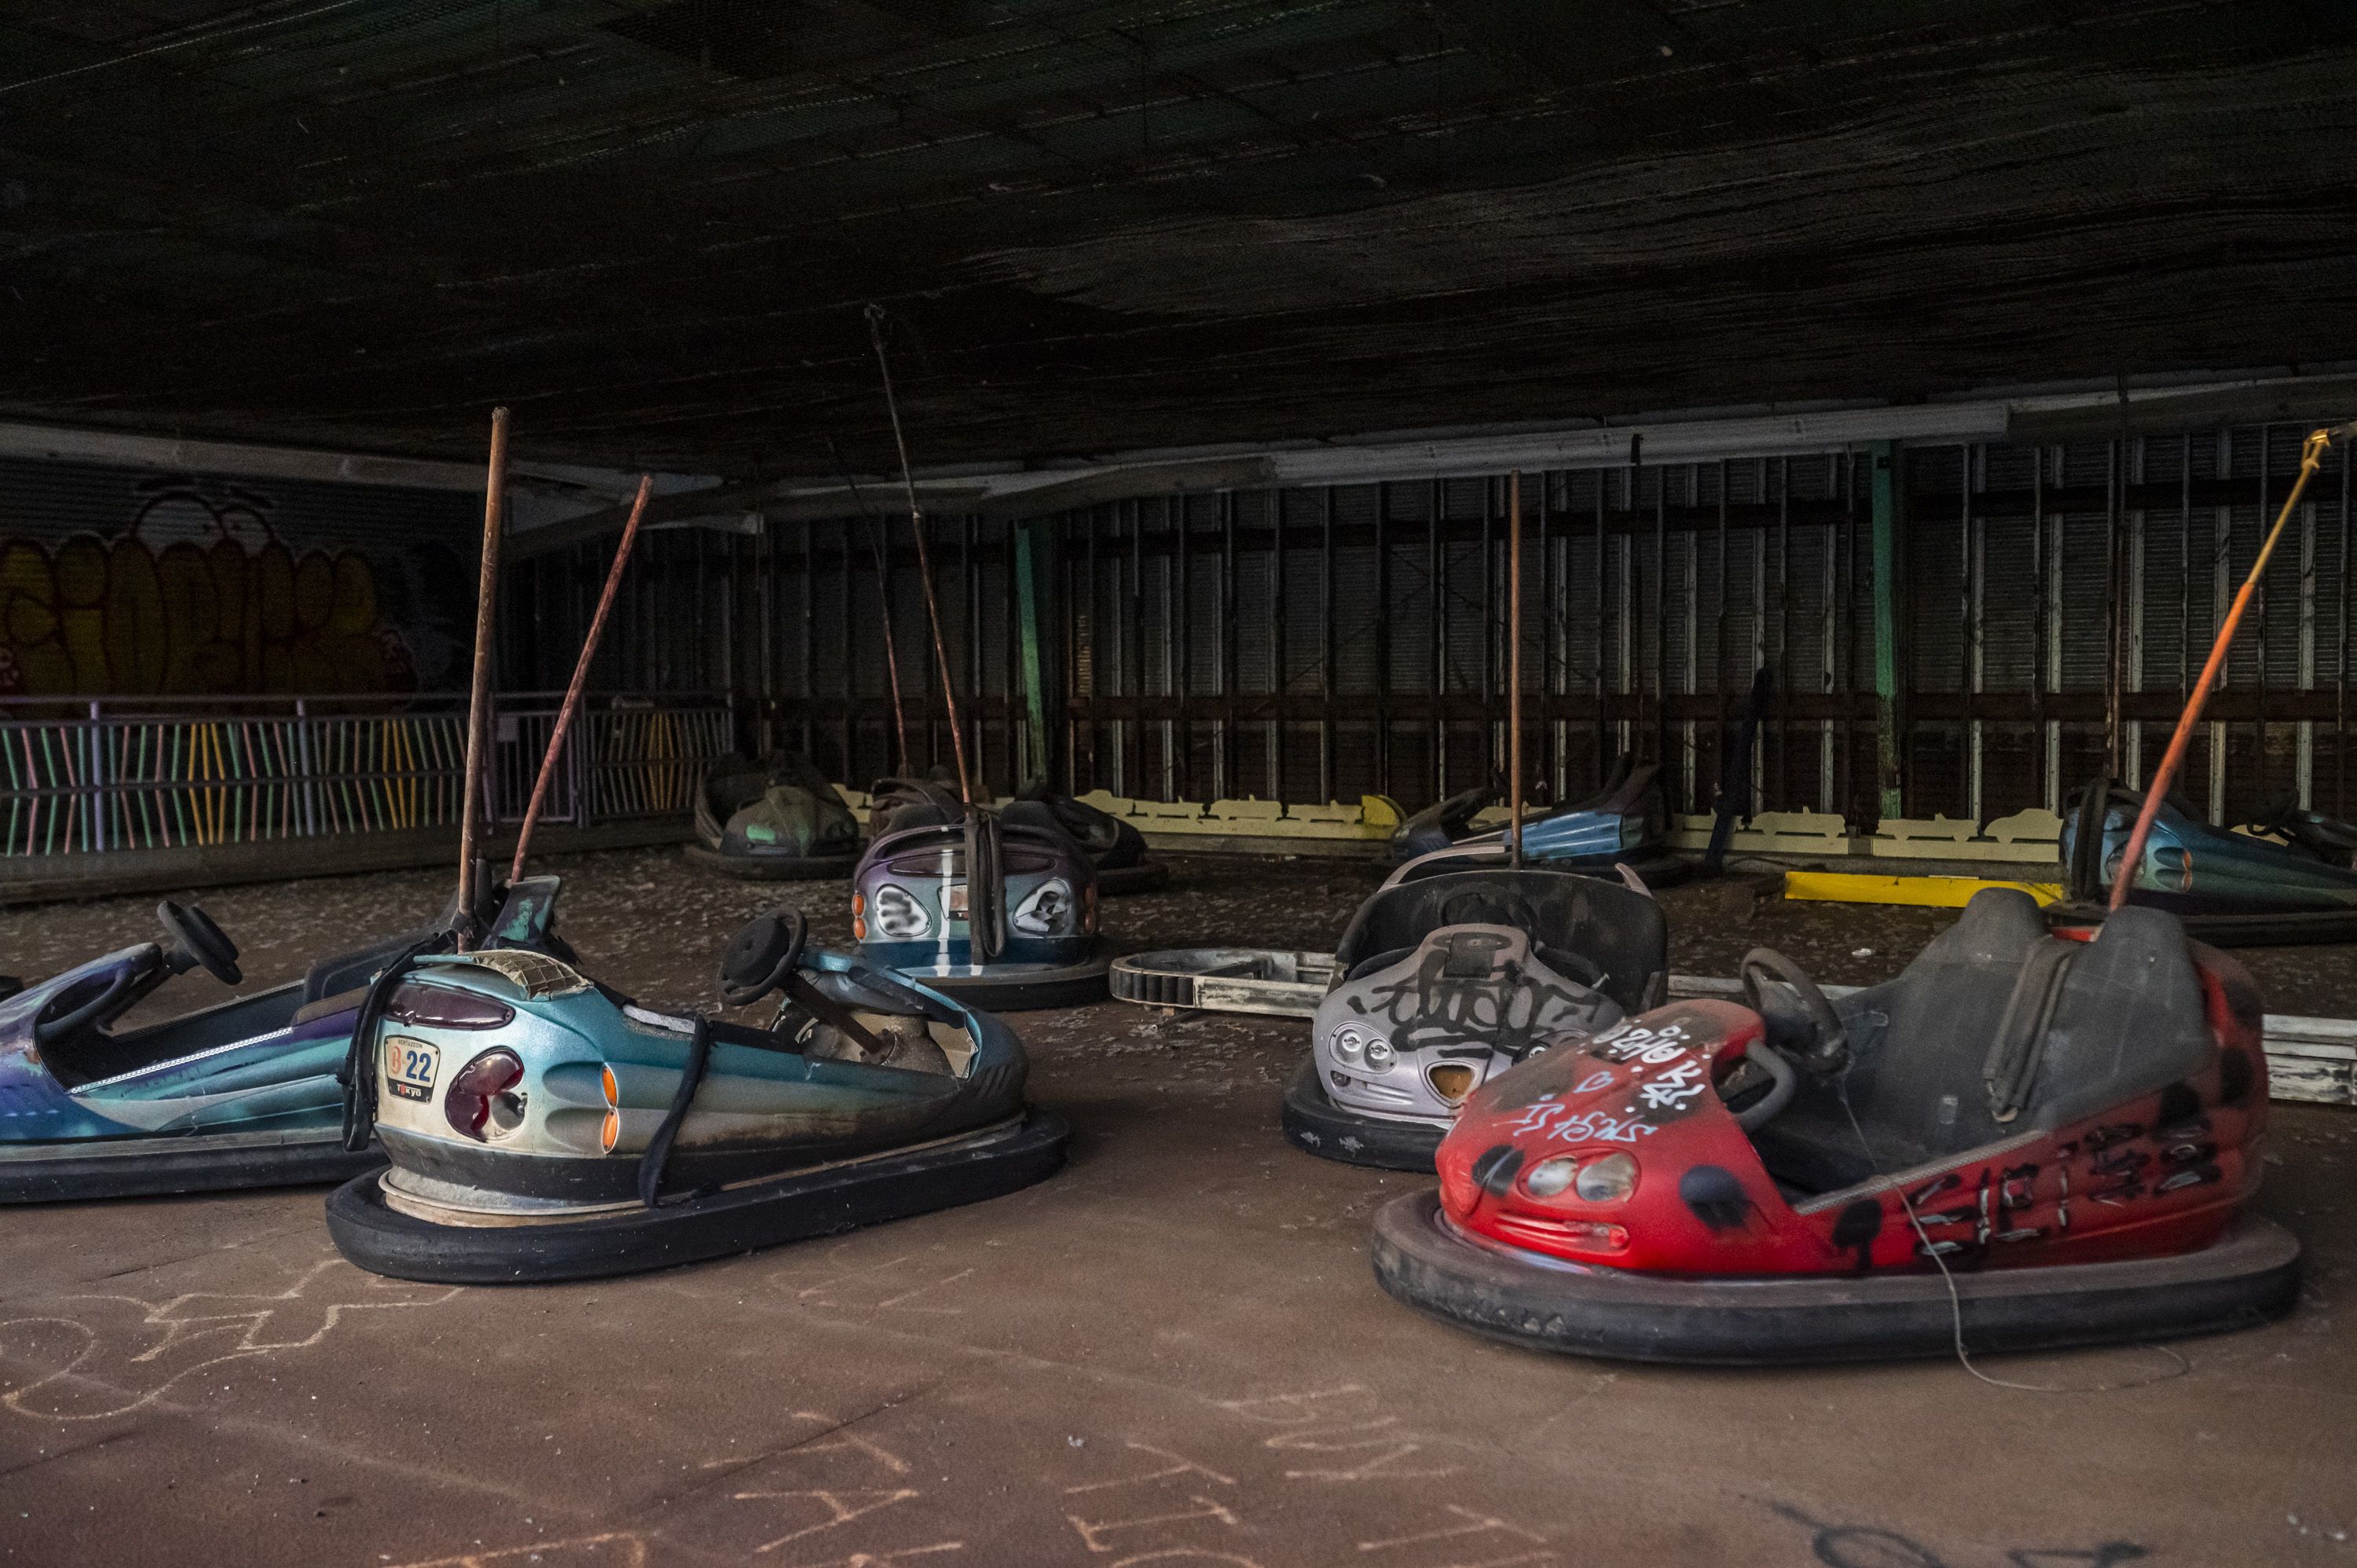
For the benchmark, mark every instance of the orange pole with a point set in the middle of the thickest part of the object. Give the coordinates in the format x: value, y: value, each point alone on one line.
x: 2311, y: 457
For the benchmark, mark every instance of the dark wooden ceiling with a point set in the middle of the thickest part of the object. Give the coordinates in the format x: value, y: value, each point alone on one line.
x: 651, y: 227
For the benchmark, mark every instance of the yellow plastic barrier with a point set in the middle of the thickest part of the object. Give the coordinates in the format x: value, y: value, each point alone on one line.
x: 1929, y: 892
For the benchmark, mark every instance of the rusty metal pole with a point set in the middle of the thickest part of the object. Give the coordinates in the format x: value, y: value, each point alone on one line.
x: 1514, y: 668
x: 924, y: 556
x: 478, y: 707
x: 2310, y: 458
x: 580, y: 677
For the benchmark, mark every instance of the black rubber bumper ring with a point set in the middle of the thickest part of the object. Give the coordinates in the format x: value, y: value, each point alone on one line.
x: 1315, y: 1125
x: 2248, y: 1275
x: 824, y: 1202
x: 158, y: 1167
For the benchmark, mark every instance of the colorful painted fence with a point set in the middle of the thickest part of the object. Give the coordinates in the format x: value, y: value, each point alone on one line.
x: 134, y: 774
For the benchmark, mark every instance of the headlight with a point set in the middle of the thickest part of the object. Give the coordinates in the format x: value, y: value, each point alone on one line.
x: 1349, y: 1044
x: 898, y: 915
x: 1549, y: 1177
x: 1047, y: 912
x: 1608, y: 1180
x: 1380, y: 1055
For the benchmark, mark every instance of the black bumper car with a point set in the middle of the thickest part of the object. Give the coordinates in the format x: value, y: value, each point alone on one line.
x: 776, y: 820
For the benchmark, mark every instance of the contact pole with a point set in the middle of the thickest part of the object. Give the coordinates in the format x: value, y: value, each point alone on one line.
x: 478, y: 702
x: 580, y: 676
x: 2311, y: 457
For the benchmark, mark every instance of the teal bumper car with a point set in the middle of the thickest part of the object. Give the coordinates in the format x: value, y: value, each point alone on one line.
x: 241, y: 1094
x: 541, y: 1126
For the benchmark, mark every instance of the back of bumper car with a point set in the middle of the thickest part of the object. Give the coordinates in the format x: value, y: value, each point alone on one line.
x: 542, y: 1128
x: 242, y: 1094
x: 1963, y: 1156
x: 996, y: 914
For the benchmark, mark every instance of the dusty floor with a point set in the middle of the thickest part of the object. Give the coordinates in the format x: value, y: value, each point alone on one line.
x: 1171, y: 1353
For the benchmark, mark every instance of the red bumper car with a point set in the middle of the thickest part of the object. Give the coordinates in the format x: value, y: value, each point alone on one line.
x: 2064, y: 1133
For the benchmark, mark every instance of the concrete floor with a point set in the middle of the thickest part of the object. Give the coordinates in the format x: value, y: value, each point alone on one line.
x: 1172, y: 1353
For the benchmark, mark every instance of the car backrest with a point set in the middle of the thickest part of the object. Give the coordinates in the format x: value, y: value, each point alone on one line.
x: 1621, y: 930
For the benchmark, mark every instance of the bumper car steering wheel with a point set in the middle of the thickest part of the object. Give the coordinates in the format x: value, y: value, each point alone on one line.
x: 198, y: 943
x: 1828, y: 1050
x: 762, y: 956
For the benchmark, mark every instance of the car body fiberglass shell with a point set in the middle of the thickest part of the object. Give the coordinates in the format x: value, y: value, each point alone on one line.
x: 241, y: 1065
x: 2160, y: 1172
x: 1444, y: 980
x: 1409, y: 1041
x: 594, y: 1075
x: 909, y: 900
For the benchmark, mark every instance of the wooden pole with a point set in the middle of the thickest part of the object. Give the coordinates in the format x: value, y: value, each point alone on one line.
x: 580, y: 677
x: 1514, y: 667
x: 2311, y: 457
x: 478, y: 705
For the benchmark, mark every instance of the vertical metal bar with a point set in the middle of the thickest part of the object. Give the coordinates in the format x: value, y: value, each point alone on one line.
x: 2114, y: 609
x: 1185, y: 549
x: 2222, y: 562
x: 810, y: 642
x: 1968, y: 634
x: 1326, y: 651
x: 1718, y: 678
x: 2038, y: 572
x: 1661, y: 616
x: 1026, y: 566
x: 2259, y: 663
x: 1889, y: 744
x: 967, y: 525
x: 1277, y: 670
x: 2341, y: 665
x: 1133, y: 663
x: 1229, y: 685
x: 1382, y: 641
x: 1087, y: 517
x: 1514, y: 668
x: 2138, y: 561
x: 1549, y: 678
x: 849, y: 726
x: 1604, y: 602
x: 1490, y: 618
x: 1437, y: 578
x: 1784, y: 632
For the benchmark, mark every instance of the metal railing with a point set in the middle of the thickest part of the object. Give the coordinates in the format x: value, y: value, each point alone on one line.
x: 85, y: 775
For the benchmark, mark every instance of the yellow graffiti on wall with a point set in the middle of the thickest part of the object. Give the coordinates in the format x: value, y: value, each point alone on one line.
x: 199, y: 597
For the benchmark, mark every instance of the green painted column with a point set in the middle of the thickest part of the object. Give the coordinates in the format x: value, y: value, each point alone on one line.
x: 1887, y: 504
x: 1035, y: 695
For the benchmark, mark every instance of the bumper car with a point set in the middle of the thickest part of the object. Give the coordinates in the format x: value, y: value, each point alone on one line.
x: 2288, y: 879
x: 1443, y: 983
x: 543, y: 1127
x: 2065, y: 1133
x: 1615, y: 827
x: 776, y: 820
x: 996, y: 910
x: 243, y: 1093
x: 1114, y: 848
